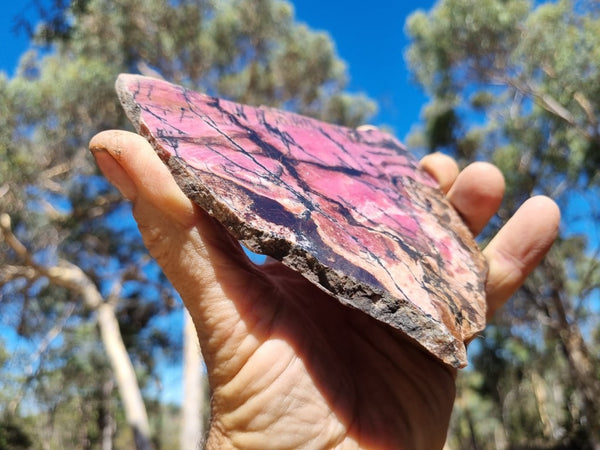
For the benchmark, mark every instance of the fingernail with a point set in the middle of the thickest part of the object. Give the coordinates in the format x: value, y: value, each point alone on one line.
x: 367, y: 127
x: 117, y: 176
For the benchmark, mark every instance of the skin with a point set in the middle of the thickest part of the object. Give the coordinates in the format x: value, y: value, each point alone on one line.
x: 289, y: 367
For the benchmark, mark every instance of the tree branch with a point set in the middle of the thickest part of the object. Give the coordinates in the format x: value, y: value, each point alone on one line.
x: 4, y: 189
x: 586, y: 105
x: 64, y: 273
x: 552, y: 105
x: 13, y: 241
x: 9, y: 273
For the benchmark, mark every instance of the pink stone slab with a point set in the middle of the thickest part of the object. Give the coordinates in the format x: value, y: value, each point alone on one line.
x: 348, y: 209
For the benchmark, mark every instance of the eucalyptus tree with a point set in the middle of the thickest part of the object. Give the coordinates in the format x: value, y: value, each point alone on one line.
x: 515, y: 82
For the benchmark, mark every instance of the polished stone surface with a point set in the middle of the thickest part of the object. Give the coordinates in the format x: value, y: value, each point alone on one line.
x: 348, y: 209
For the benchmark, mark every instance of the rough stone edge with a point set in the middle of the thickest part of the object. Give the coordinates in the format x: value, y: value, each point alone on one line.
x: 393, y: 311
x: 132, y: 109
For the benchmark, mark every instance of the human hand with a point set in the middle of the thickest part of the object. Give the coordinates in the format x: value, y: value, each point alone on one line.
x: 289, y: 367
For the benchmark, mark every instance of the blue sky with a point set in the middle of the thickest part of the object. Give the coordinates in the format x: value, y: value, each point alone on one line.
x: 369, y: 36
x: 11, y: 44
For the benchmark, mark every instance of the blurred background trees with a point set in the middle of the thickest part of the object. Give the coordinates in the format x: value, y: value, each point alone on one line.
x: 513, y: 82
x: 75, y: 279
x: 517, y: 83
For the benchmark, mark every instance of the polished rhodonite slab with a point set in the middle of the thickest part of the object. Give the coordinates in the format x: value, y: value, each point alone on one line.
x: 350, y: 210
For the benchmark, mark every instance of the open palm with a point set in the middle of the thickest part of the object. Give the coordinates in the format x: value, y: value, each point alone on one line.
x: 289, y: 366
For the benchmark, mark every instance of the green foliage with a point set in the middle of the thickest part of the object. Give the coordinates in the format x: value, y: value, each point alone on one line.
x: 12, y: 436
x: 515, y: 82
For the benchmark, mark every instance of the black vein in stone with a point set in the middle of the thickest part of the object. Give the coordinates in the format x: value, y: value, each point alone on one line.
x: 280, y: 215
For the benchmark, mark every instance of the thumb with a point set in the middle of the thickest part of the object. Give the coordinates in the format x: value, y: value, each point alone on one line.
x: 195, y: 252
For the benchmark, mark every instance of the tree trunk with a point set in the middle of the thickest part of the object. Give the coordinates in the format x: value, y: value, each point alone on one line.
x: 586, y: 383
x: 105, y: 420
x: 193, y: 402
x: 541, y: 401
x: 129, y: 390
x: 581, y: 364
